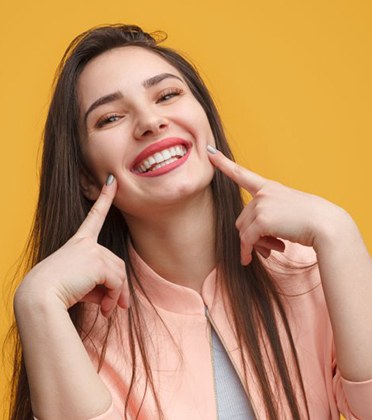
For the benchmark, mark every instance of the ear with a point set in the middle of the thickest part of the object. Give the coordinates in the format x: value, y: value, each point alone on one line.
x: 89, y: 186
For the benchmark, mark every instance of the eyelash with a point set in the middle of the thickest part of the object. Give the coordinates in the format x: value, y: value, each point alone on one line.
x: 165, y: 96
x: 107, y: 120
x: 169, y: 92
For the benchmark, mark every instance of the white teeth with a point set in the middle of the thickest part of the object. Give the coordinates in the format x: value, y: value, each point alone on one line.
x: 147, y: 164
x: 172, y: 151
x: 160, y: 159
x: 160, y: 165
x: 166, y: 154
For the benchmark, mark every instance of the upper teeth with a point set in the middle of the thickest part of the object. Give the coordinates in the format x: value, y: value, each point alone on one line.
x: 159, y: 159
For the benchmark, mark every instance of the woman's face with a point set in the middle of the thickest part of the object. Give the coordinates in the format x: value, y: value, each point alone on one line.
x: 141, y: 123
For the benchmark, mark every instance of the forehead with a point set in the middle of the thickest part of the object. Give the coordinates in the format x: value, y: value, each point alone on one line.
x: 123, y: 68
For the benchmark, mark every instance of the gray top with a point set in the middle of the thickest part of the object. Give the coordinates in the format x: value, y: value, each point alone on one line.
x: 232, y: 401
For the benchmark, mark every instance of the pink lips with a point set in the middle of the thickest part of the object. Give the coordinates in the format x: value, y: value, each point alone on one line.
x: 158, y: 147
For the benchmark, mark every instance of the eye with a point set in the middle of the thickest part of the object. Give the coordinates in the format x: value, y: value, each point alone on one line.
x: 169, y: 94
x: 108, y: 119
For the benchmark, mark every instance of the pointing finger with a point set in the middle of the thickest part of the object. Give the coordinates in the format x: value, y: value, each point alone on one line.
x: 248, y: 180
x: 93, y: 223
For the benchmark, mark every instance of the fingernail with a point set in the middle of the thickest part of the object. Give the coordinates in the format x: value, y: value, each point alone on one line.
x: 110, y: 179
x: 211, y: 149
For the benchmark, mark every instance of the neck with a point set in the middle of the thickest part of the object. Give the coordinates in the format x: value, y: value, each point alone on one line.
x: 178, y: 243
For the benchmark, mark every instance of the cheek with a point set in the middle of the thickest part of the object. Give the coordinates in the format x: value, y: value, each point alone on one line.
x: 203, y: 127
x: 197, y: 121
x: 102, y: 160
x: 205, y: 137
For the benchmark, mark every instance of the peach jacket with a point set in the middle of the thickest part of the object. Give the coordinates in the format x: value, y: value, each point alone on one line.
x: 182, y: 367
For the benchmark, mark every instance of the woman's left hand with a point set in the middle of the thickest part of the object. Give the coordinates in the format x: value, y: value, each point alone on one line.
x: 277, y: 211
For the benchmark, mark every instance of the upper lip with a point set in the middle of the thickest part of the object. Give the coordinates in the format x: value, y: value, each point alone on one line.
x: 158, y: 147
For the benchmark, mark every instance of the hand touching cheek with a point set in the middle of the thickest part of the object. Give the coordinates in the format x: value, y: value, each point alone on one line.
x: 83, y: 270
x: 276, y: 211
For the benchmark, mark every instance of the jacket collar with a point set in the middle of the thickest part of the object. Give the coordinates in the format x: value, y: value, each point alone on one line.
x: 168, y: 295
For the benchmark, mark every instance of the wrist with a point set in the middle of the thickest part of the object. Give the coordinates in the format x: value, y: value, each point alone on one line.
x: 335, y: 231
x: 30, y: 301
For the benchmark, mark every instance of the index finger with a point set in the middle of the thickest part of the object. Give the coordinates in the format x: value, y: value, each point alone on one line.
x: 95, y: 219
x: 247, y: 179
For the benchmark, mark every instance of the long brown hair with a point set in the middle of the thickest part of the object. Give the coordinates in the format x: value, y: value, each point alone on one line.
x: 62, y: 207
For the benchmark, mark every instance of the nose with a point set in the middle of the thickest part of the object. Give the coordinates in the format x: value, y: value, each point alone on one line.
x: 150, y: 124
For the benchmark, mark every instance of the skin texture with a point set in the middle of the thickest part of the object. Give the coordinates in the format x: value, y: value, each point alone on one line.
x: 142, y: 117
x: 166, y: 214
x: 171, y: 221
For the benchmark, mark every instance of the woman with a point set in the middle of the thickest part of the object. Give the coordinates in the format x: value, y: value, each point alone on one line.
x: 201, y: 311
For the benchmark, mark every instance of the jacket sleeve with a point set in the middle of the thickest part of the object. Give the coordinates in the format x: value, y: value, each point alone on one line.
x: 113, y: 368
x: 111, y: 414
x: 354, y: 399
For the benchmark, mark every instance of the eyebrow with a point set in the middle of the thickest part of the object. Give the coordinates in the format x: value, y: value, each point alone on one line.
x: 112, y: 97
x: 103, y: 100
x: 158, y: 78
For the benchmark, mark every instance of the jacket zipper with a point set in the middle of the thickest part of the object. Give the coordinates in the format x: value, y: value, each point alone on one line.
x: 212, y: 358
x: 212, y: 324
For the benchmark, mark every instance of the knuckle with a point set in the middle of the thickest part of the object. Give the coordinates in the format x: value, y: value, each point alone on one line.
x: 123, y: 278
x: 244, y: 238
x: 261, y: 220
x: 263, y: 193
x: 117, y: 283
x: 113, y: 285
x: 237, y: 171
x: 99, y: 262
x: 259, y: 209
x: 273, y: 186
x: 121, y: 264
x: 269, y: 187
x: 94, y: 212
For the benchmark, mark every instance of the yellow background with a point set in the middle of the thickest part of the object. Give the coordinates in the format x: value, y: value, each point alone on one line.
x: 291, y: 79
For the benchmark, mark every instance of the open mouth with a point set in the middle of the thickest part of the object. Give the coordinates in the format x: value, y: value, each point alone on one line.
x: 160, y: 159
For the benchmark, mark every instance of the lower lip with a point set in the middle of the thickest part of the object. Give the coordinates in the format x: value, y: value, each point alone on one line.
x: 167, y: 168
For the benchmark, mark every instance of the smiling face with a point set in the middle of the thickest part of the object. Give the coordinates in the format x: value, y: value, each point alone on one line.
x: 141, y: 123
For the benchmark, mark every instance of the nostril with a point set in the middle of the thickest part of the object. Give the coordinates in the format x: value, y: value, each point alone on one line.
x: 154, y: 131
x: 149, y: 127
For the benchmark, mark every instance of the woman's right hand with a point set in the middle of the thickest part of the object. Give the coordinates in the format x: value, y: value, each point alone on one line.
x: 82, y: 270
